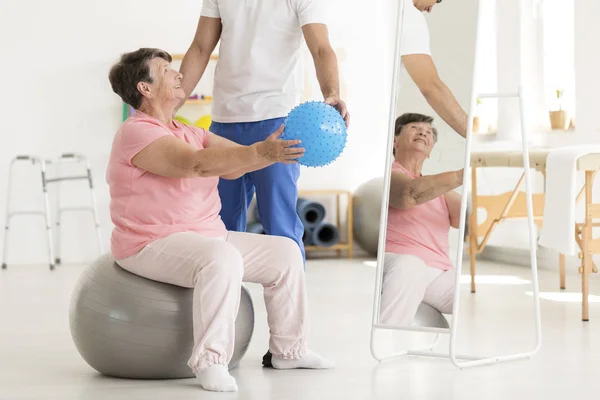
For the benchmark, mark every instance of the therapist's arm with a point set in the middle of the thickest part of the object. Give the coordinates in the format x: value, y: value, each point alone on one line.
x: 424, y: 74
x: 326, y: 67
x: 198, y: 55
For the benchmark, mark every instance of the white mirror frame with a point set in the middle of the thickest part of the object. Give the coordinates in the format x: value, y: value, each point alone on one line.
x: 470, y: 361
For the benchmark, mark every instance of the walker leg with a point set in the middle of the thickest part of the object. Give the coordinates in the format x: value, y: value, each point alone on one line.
x: 47, y: 216
x: 7, y: 217
x: 95, y: 209
x: 58, y: 218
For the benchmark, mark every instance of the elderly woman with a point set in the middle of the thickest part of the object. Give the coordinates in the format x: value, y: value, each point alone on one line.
x: 417, y: 267
x: 165, y: 206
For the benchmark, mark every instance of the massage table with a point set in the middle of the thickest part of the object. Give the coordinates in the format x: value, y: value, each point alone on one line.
x: 512, y: 205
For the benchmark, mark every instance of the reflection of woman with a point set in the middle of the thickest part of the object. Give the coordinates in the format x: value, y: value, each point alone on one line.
x: 417, y: 267
x: 165, y: 205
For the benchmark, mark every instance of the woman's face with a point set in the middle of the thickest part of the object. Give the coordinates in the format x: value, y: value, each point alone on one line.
x: 166, y: 85
x: 415, y: 137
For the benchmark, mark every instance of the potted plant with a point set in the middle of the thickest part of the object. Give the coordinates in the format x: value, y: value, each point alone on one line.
x: 476, y: 117
x: 558, y: 118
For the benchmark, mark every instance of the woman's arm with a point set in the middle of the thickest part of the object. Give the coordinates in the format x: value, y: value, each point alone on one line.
x: 453, y: 201
x: 171, y: 157
x: 216, y: 141
x: 406, y: 193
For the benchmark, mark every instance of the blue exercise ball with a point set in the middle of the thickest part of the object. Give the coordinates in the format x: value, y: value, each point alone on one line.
x: 321, y: 129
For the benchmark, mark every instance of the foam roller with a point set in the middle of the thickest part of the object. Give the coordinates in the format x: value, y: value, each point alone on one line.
x: 311, y: 213
x: 307, y: 237
x: 255, y: 227
x: 325, y: 235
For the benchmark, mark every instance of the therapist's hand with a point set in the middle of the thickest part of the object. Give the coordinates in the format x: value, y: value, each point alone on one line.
x: 339, y: 105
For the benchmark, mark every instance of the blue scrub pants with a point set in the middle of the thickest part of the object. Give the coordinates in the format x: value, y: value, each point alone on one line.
x: 275, y: 186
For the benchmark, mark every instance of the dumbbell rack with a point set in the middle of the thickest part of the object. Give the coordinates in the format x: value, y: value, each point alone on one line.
x: 53, y: 253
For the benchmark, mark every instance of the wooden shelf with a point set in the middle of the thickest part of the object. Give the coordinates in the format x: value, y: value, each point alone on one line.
x: 203, y: 102
x: 340, y: 246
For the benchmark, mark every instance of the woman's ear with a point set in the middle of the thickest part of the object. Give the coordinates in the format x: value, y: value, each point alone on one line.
x: 144, y: 89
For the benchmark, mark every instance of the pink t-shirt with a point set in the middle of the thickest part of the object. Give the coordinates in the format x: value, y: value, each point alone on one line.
x: 421, y: 231
x: 145, y: 207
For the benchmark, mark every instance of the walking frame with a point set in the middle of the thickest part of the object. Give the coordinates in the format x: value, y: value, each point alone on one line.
x: 53, y: 247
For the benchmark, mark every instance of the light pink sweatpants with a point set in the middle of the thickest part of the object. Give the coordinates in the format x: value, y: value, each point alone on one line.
x: 408, y: 282
x: 216, y: 268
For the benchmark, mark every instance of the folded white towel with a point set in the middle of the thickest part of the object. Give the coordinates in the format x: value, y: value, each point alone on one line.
x: 558, y: 229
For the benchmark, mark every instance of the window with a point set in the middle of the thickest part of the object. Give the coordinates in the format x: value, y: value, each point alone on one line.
x: 555, y: 61
x: 487, y: 67
x: 558, y: 30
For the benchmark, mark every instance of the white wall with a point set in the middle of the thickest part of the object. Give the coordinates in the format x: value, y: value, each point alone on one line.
x: 366, y: 79
x: 56, y: 57
x: 587, y: 67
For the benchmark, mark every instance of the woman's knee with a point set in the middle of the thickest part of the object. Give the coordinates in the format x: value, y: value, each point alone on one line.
x: 224, y: 260
x: 289, y: 255
x: 403, y: 266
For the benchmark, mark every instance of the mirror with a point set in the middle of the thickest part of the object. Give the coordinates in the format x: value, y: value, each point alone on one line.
x: 423, y: 184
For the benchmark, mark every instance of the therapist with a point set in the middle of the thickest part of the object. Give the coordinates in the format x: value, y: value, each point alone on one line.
x: 257, y: 83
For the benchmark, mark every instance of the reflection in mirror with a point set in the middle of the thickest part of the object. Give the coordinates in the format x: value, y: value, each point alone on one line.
x: 420, y: 224
x: 418, y: 273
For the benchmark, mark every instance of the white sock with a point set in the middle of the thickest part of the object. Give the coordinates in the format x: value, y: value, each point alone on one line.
x: 216, y: 378
x: 310, y: 360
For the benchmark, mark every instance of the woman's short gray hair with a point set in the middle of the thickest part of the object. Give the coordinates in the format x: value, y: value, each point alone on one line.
x: 409, y: 118
x: 131, y: 69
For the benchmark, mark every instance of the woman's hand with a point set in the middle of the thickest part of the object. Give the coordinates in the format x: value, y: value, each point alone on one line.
x: 275, y: 150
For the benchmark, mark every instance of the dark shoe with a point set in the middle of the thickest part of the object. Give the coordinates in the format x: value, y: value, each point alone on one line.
x: 266, y: 362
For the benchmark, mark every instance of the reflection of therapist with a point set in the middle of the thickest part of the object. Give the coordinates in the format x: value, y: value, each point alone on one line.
x: 416, y: 59
x: 417, y: 267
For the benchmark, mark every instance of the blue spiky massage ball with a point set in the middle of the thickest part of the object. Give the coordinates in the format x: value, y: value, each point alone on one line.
x: 321, y: 129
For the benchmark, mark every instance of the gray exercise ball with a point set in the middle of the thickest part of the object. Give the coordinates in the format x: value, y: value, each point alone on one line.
x: 428, y: 316
x: 127, y: 326
x: 366, y: 214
